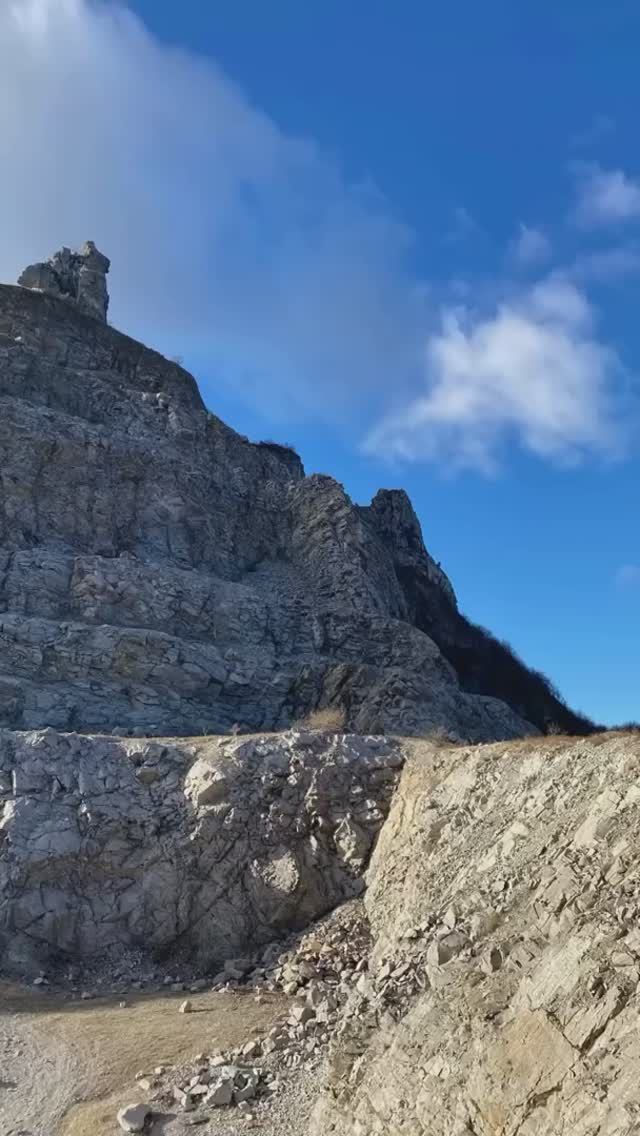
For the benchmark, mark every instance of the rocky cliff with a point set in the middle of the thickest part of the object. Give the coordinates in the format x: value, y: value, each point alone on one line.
x: 162, y: 575
x: 198, y: 849
x: 503, y: 991
x: 485, y: 983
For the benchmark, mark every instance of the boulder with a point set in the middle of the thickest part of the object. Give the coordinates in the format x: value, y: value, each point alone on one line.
x: 134, y: 1117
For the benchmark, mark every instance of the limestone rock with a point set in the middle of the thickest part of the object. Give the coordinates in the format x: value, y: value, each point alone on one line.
x: 531, y: 1026
x: 162, y: 575
x: 92, y: 857
x: 76, y: 276
x: 133, y: 1117
x: 184, y: 1098
x: 221, y: 1093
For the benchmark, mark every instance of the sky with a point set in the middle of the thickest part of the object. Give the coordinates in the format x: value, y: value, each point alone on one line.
x: 404, y: 238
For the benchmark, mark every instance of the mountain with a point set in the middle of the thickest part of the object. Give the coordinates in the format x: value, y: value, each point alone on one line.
x: 160, y: 574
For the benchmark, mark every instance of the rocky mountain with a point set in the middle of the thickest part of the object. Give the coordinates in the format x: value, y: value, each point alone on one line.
x: 162, y: 575
x: 441, y: 939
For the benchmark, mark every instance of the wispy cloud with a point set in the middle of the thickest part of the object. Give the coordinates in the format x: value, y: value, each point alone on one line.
x: 628, y: 576
x: 606, y: 265
x: 532, y: 370
x: 462, y: 226
x: 605, y: 197
x: 531, y: 247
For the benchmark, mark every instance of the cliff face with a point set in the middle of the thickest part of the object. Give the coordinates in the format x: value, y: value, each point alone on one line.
x: 503, y: 989
x: 196, y: 847
x: 161, y: 574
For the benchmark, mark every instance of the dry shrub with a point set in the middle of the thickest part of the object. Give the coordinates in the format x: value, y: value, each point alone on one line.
x: 438, y: 735
x: 331, y: 720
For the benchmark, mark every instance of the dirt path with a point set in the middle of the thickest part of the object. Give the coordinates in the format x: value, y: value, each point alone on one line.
x: 66, y: 1067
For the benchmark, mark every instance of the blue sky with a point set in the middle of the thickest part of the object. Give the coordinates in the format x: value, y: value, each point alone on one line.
x: 405, y: 238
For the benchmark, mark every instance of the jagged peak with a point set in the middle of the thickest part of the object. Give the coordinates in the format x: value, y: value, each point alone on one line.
x: 80, y: 277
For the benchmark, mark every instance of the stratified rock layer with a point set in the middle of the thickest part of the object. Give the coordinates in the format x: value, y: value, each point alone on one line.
x: 505, y: 891
x: 160, y: 574
x: 205, y: 848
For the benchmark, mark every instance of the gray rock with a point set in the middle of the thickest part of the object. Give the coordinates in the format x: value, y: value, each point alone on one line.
x: 183, y: 1098
x: 245, y: 1085
x: 134, y: 1117
x: 221, y: 1093
x: 76, y: 276
x: 222, y: 877
x: 162, y: 575
x: 301, y: 1014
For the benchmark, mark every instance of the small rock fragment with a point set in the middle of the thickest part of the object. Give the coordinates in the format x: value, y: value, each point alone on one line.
x: 221, y: 1094
x: 133, y: 1117
x: 183, y: 1097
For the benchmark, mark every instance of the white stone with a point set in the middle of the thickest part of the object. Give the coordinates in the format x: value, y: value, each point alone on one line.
x: 133, y: 1117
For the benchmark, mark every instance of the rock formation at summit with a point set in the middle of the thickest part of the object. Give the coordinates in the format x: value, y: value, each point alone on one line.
x: 162, y: 575
x: 77, y: 276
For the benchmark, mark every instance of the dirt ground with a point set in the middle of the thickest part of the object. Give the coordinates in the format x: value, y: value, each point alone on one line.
x: 66, y: 1067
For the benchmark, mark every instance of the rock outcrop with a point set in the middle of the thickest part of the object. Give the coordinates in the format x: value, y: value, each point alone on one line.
x: 504, y: 896
x: 205, y: 849
x: 162, y: 575
x: 80, y: 277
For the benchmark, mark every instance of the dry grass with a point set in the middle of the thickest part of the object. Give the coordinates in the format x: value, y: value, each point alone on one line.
x: 330, y: 720
x: 90, y: 1051
x: 440, y: 737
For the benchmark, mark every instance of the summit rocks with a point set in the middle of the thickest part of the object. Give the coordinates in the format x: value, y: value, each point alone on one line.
x: 79, y: 277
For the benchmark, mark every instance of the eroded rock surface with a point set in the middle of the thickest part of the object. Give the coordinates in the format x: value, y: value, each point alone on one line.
x: 160, y: 574
x: 200, y: 848
x: 80, y: 277
x: 503, y: 993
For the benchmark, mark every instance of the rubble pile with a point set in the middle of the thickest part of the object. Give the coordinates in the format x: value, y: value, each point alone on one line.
x: 319, y: 970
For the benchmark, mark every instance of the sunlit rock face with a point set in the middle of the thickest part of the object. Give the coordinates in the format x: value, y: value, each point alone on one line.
x: 80, y: 277
x: 162, y: 575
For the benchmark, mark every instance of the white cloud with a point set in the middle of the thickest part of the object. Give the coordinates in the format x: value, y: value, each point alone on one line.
x: 532, y: 371
x: 231, y: 242
x: 531, y: 247
x: 605, y: 197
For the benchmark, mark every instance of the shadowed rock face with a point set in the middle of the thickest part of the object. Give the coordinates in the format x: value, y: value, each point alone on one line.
x: 76, y: 276
x: 160, y: 574
x: 197, y: 847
